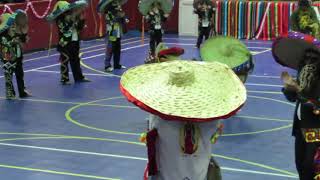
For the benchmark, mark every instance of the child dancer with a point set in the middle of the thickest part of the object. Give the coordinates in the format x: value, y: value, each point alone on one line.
x: 70, y: 22
x: 22, y: 36
x: 156, y: 17
x: 8, y: 51
x: 204, y: 10
x: 115, y: 21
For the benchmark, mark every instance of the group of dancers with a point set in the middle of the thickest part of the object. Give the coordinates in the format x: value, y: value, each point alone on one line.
x: 186, y: 98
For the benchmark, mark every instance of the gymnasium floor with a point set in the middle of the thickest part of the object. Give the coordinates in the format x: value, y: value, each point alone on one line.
x: 89, y: 131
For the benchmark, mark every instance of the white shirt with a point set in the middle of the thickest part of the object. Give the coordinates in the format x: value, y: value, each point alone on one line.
x: 75, y: 35
x: 172, y: 163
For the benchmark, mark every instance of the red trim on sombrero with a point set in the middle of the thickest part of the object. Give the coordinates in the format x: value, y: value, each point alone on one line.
x: 171, y: 51
x: 167, y: 117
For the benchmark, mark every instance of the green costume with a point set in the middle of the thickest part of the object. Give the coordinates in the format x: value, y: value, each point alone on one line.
x: 305, y: 20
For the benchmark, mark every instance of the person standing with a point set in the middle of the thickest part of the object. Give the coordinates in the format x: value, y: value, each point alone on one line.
x: 8, y: 51
x: 70, y: 22
x: 305, y: 91
x: 305, y: 20
x: 204, y: 10
x: 22, y: 35
x: 115, y: 26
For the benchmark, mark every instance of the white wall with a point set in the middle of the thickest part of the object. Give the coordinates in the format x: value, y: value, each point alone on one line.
x: 188, y: 21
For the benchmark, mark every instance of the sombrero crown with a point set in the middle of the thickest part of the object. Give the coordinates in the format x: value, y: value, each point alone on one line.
x: 227, y: 50
x: 7, y: 20
x: 184, y: 90
x: 63, y: 6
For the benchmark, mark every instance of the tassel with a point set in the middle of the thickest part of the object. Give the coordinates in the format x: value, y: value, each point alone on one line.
x: 216, y: 135
x: 143, y: 137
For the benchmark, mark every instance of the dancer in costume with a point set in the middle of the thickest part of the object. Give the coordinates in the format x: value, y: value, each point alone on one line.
x: 156, y: 13
x: 186, y: 100
x: 231, y: 52
x: 8, y: 51
x: 164, y: 54
x: 305, y: 20
x: 205, y: 11
x: 22, y: 35
x: 115, y: 26
x: 303, y: 56
x: 70, y: 22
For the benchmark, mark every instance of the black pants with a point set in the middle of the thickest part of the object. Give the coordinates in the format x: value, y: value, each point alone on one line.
x: 155, y: 39
x: 304, y: 153
x: 113, y: 50
x: 20, y: 76
x: 203, y: 32
x: 70, y: 53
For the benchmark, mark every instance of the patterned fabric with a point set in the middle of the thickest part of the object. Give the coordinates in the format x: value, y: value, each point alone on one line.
x: 66, y: 28
x: 8, y: 49
x: 156, y: 21
x: 115, y: 26
x: 305, y: 21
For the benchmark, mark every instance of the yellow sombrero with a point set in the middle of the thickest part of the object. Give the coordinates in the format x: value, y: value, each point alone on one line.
x: 185, y: 90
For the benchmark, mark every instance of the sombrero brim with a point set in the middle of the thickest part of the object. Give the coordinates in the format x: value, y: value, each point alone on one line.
x: 102, y: 4
x: 166, y: 5
x: 146, y: 5
x: 289, y: 52
x: 74, y: 5
x: 9, y: 21
x: 226, y: 50
x: 216, y: 93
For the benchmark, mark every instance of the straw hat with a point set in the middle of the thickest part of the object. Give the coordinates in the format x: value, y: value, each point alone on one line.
x: 289, y: 51
x: 185, y: 90
x: 63, y: 6
x: 229, y: 51
x: 146, y: 5
x: 7, y: 20
x: 103, y: 4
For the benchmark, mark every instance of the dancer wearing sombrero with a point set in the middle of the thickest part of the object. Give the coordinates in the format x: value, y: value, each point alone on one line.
x: 21, y: 33
x: 186, y: 100
x: 156, y: 13
x: 302, y: 53
x: 70, y: 21
x: 8, y: 51
x: 115, y: 26
x: 231, y: 52
x: 305, y: 20
x: 205, y: 11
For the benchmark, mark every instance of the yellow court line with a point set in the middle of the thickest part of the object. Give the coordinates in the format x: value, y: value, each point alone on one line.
x: 258, y: 132
x: 264, y: 118
x: 55, y: 172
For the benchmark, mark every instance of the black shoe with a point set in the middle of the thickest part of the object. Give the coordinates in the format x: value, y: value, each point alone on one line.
x: 25, y: 94
x: 65, y: 82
